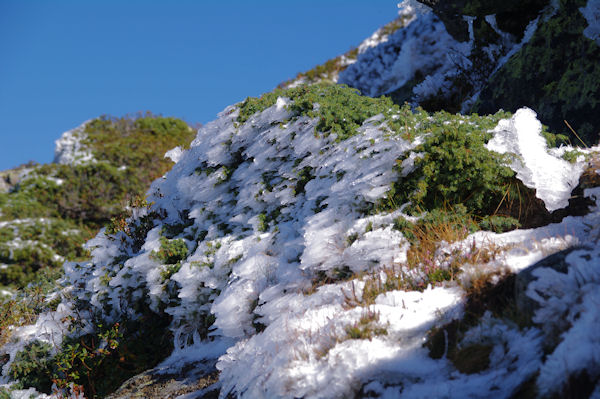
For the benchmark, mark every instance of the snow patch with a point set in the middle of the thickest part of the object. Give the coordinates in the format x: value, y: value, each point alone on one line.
x: 591, y: 12
x: 553, y: 178
x: 69, y: 149
x: 422, y: 46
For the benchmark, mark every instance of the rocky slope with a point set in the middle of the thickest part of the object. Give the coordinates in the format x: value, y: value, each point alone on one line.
x: 477, y: 55
x: 318, y: 243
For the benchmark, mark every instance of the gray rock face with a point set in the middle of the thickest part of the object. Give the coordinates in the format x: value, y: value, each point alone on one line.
x: 554, y: 69
x: 557, y: 73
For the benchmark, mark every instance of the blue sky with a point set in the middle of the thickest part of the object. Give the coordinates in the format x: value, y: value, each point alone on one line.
x: 63, y: 62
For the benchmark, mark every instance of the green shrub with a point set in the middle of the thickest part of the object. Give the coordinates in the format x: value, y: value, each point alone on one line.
x: 341, y: 109
x: 456, y: 168
x: 24, y: 262
x: 171, y: 251
x: 138, y: 143
x: 96, y: 362
x: 32, y: 366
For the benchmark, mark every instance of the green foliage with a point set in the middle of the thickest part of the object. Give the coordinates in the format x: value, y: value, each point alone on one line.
x: 32, y: 366
x: 170, y: 270
x: 341, y: 109
x: 44, y: 243
x: 571, y: 156
x: 171, y: 251
x: 80, y: 359
x: 137, y: 143
x: 455, y: 168
x: 499, y: 224
x: 94, y: 192
x: 351, y: 238
x: 366, y: 327
x: 25, y: 262
x: 96, y: 362
x: 263, y: 224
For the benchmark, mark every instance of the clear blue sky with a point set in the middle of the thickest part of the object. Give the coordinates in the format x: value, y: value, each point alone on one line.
x: 63, y: 62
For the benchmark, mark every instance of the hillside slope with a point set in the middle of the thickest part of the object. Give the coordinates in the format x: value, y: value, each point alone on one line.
x: 317, y: 243
x: 51, y: 210
x: 282, y: 249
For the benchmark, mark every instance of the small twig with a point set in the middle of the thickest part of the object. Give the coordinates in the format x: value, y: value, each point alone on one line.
x: 575, y: 133
x: 502, y: 200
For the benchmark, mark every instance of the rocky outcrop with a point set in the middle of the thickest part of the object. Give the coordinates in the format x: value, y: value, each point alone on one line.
x: 557, y: 73
x: 160, y: 383
x: 10, y: 177
x: 512, y: 16
x: 554, y: 69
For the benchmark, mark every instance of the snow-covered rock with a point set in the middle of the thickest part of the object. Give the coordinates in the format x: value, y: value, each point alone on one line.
x: 69, y: 149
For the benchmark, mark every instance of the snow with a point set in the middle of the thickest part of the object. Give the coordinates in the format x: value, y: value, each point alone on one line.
x: 259, y: 270
x: 591, y: 12
x: 423, y: 46
x: 279, y: 329
x: 553, y: 178
x: 174, y: 154
x: 69, y: 149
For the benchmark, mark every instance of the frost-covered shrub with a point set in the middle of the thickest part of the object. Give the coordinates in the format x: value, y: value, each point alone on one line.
x: 340, y: 110
x: 88, y: 360
x: 171, y: 251
x: 32, y: 367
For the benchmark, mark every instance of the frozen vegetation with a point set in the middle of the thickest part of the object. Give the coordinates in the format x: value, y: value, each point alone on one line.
x: 270, y: 242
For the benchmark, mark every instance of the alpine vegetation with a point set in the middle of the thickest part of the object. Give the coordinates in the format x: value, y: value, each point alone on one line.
x: 287, y: 246
x: 320, y: 242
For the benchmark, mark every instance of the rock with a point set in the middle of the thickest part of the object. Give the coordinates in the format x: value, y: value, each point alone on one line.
x: 557, y: 73
x: 9, y: 178
x: 159, y: 383
x: 512, y: 16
